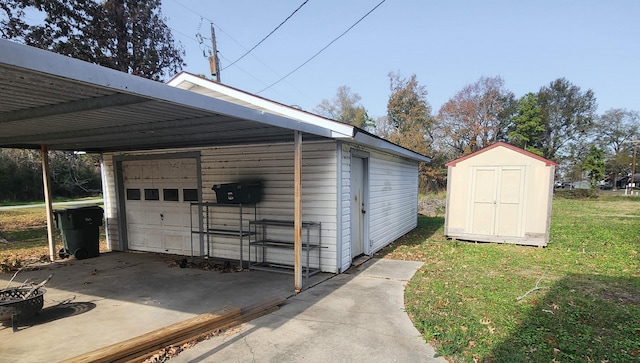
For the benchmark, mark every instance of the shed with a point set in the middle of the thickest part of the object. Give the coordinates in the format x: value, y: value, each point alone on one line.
x: 345, y: 192
x: 500, y: 194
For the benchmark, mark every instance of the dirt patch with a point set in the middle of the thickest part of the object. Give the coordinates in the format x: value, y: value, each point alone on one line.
x: 621, y: 296
x: 432, y: 206
x: 207, y: 265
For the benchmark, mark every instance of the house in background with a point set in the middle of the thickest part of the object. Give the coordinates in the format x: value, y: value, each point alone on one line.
x: 164, y: 147
x: 500, y: 194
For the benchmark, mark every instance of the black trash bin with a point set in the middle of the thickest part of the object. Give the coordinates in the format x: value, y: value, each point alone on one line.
x: 80, y: 228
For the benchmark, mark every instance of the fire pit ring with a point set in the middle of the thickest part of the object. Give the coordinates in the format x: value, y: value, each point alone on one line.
x: 14, y: 305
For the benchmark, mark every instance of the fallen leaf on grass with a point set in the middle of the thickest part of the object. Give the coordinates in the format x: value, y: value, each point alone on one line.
x: 552, y: 341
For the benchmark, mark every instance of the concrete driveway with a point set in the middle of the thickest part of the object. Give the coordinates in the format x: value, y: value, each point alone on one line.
x: 96, y: 302
x: 353, y: 317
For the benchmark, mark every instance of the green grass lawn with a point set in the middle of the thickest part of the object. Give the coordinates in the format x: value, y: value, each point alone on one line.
x: 24, y: 237
x: 478, y: 302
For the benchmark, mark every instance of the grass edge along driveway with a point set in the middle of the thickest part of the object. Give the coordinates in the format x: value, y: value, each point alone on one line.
x: 577, y: 300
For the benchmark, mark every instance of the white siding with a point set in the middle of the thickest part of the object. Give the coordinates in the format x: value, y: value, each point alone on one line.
x: 273, y: 165
x: 393, y: 194
x: 393, y: 199
x: 345, y: 191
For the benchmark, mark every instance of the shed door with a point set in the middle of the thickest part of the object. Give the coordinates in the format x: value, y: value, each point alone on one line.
x: 158, y: 216
x: 497, y: 201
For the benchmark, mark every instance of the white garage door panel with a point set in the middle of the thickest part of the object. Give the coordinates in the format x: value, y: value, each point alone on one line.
x: 160, y: 225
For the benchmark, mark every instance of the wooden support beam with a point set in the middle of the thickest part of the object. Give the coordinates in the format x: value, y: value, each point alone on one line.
x: 46, y: 182
x: 297, y: 210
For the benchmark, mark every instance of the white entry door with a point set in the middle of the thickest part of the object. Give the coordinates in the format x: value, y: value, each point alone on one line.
x: 358, y: 206
x: 497, y: 199
x: 157, y: 202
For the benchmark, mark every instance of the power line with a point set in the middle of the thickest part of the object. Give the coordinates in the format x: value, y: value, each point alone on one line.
x: 211, y: 21
x: 258, y: 80
x: 238, y: 43
x: 268, y: 35
x: 321, y: 50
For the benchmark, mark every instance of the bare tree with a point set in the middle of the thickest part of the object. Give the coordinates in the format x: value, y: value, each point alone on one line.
x: 476, y: 116
x: 345, y: 108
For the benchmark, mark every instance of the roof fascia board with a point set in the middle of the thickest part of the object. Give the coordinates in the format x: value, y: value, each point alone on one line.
x: 37, y: 60
x: 547, y: 162
x: 339, y: 130
x: 381, y: 144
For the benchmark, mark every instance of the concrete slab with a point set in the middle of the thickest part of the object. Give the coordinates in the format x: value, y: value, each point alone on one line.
x: 99, y: 301
x: 357, y: 316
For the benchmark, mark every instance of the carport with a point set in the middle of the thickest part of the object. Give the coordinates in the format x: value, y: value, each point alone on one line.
x: 53, y: 102
x: 362, y: 190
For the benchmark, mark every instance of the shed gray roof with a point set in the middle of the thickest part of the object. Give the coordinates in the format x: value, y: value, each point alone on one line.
x: 67, y: 104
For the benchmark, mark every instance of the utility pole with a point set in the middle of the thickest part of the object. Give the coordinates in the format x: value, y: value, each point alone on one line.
x: 214, y: 61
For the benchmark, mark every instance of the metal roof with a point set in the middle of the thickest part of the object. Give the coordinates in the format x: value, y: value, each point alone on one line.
x: 67, y: 104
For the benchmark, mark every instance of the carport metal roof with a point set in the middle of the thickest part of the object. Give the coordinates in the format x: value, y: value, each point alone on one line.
x: 67, y: 104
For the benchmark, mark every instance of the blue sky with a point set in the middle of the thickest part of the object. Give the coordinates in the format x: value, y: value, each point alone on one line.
x: 447, y: 44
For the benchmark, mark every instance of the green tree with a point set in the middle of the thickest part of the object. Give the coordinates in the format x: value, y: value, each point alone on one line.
x: 568, y: 115
x: 127, y: 35
x: 476, y: 116
x: 409, y: 123
x: 20, y: 175
x: 616, y: 129
x: 527, y: 125
x: 345, y: 108
x: 408, y: 108
x: 72, y: 175
x: 594, y: 165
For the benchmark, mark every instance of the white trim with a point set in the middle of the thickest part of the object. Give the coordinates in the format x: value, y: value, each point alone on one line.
x: 338, y: 129
x: 339, y: 153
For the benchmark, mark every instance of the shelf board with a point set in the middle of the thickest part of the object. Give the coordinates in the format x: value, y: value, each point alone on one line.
x: 226, y: 232
x: 281, y: 223
x: 281, y: 268
x: 282, y: 244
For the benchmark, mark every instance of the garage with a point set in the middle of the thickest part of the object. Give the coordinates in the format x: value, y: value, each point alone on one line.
x: 157, y: 201
x: 164, y: 146
x: 500, y: 194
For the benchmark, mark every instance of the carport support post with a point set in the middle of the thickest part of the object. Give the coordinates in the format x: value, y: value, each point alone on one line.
x: 46, y: 181
x: 297, y: 210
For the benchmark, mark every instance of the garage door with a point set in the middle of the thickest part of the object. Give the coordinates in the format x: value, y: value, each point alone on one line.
x: 157, y: 203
